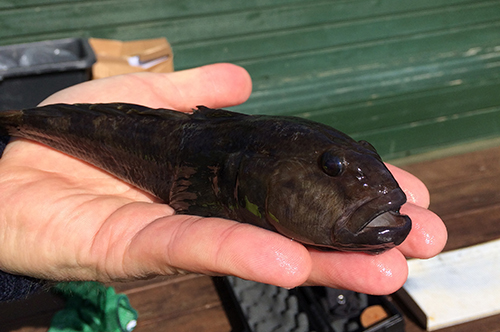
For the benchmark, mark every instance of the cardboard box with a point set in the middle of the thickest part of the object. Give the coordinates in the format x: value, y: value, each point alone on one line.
x: 115, y: 57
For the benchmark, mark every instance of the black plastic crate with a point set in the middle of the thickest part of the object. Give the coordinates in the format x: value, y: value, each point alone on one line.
x: 31, y: 72
x: 256, y: 307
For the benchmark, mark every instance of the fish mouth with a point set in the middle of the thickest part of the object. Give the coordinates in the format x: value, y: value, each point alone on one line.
x: 376, y: 225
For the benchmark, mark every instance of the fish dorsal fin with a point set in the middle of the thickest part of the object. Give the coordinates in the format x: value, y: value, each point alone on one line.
x: 203, y: 113
x: 110, y: 109
x: 131, y: 109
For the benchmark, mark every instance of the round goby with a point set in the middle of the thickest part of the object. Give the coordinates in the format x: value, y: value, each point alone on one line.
x: 299, y: 178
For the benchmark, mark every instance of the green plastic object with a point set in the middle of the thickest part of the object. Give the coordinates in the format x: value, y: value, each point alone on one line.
x: 92, y: 307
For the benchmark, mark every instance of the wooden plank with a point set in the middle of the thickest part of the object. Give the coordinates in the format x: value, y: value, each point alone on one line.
x: 31, y: 315
x: 464, y: 193
x: 369, y: 90
x: 473, y: 227
x: 424, y: 48
x: 181, y: 303
x: 175, y: 302
x: 322, y: 34
x: 455, y: 169
x: 172, y: 298
x: 139, y: 285
x: 463, y: 197
x: 10, y: 4
x: 211, y: 319
x: 372, y: 69
x: 464, y: 178
x: 398, y: 131
x: 101, y: 14
x: 378, y: 113
x: 412, y: 138
x: 382, y: 87
x: 64, y: 15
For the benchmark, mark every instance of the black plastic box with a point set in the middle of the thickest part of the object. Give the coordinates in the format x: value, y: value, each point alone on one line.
x: 256, y: 307
x: 31, y: 72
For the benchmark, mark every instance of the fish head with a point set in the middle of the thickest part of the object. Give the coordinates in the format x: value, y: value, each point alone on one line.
x: 338, y: 196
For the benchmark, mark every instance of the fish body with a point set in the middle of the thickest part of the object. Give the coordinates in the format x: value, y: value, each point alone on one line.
x: 300, y: 178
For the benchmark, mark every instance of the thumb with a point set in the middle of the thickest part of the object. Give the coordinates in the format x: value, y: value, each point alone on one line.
x: 216, y: 85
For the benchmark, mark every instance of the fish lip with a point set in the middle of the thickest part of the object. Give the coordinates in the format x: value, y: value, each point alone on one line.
x: 376, y: 225
x: 366, y: 213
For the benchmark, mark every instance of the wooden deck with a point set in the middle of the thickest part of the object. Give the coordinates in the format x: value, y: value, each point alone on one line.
x: 464, y: 192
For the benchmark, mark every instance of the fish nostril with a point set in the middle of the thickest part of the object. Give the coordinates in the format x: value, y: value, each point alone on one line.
x: 360, y: 175
x: 382, y: 190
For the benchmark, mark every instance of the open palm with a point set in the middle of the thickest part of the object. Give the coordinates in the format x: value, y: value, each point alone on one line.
x: 63, y: 219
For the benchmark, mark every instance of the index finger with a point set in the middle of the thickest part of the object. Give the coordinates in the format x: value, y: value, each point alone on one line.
x: 415, y: 190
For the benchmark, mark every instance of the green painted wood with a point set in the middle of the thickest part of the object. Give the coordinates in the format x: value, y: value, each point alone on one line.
x: 190, y: 20
x: 10, y: 4
x: 407, y: 75
x: 439, y: 47
x: 106, y: 14
x: 414, y: 138
x: 333, y: 37
x: 400, y: 111
x: 224, y: 18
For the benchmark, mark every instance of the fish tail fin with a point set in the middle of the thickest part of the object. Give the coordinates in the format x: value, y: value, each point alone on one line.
x: 27, y: 122
x: 9, y: 122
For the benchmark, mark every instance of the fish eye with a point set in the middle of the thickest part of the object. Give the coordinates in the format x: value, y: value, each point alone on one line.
x: 331, y: 164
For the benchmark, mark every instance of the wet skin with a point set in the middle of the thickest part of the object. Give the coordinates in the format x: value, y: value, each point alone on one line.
x: 302, y: 179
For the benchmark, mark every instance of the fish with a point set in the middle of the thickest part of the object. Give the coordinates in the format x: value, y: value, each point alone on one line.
x: 299, y: 178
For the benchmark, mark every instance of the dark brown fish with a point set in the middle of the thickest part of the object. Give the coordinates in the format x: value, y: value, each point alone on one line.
x: 300, y: 178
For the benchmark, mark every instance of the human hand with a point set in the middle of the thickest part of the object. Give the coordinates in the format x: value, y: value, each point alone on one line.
x: 63, y: 219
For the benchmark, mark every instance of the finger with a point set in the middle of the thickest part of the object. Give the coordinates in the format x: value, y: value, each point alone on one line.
x: 415, y: 190
x: 217, y: 85
x: 428, y: 235
x: 218, y: 246
x: 371, y: 274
